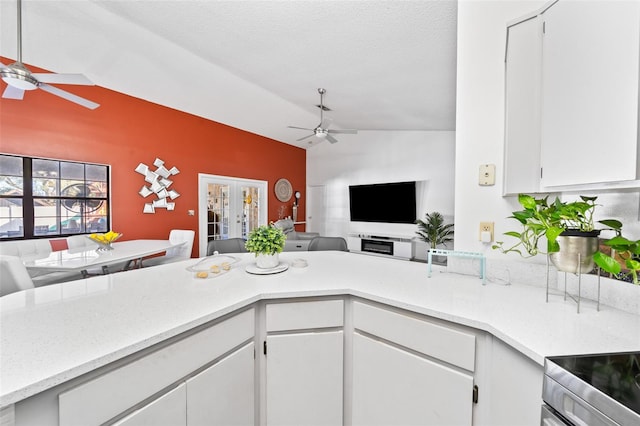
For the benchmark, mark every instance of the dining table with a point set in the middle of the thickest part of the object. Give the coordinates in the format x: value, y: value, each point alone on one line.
x: 83, y: 258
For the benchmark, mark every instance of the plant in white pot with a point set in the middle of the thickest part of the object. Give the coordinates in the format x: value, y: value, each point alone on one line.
x: 435, y: 232
x: 266, y: 242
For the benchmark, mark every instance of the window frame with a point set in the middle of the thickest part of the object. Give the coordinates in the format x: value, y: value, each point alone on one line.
x: 28, y: 200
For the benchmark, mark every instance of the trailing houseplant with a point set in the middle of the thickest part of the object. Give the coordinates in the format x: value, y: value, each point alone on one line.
x: 625, y: 251
x: 563, y: 221
x: 434, y: 231
x: 266, y: 242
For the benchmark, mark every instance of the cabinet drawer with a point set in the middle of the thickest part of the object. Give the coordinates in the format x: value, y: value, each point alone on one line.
x: 116, y: 391
x: 304, y: 315
x: 452, y: 346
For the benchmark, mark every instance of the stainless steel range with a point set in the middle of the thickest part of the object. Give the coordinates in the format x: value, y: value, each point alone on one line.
x: 593, y: 390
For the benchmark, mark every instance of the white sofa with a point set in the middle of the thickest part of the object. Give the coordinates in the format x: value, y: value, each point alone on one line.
x: 296, y: 241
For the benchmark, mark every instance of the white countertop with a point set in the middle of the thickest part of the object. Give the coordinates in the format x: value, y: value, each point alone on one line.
x: 52, y: 334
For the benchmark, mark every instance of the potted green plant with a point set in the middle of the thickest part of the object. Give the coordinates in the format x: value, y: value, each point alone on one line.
x: 434, y: 231
x: 625, y: 252
x: 569, y: 229
x: 266, y: 242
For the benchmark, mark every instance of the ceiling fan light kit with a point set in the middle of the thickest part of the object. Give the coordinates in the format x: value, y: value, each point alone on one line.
x: 322, y: 131
x: 19, y: 79
x: 18, y: 76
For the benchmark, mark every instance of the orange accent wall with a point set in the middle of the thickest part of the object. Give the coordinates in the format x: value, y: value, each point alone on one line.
x: 125, y: 131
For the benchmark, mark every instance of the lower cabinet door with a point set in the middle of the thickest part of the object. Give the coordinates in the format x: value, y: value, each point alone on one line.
x: 395, y: 387
x: 304, y: 379
x: 223, y: 394
x: 167, y: 410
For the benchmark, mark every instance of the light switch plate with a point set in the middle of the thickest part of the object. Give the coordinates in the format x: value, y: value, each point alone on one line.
x: 487, y: 175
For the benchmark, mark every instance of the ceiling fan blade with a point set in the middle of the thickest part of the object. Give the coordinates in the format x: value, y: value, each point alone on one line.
x: 301, y: 128
x: 13, y: 93
x: 63, y: 78
x: 69, y: 96
x: 344, y: 131
x: 331, y: 138
x: 301, y: 139
x: 326, y: 122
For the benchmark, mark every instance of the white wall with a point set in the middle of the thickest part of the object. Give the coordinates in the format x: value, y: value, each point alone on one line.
x: 480, y: 130
x: 379, y: 157
x: 480, y: 115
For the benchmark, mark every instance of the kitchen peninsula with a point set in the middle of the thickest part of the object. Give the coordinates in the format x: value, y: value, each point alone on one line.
x: 342, y: 335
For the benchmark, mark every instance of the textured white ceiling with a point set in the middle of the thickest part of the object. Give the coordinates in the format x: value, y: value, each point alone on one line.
x: 256, y: 65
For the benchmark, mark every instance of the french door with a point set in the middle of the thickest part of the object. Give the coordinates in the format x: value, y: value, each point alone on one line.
x: 229, y: 208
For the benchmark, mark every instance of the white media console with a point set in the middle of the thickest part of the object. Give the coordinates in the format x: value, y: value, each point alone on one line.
x: 383, y: 245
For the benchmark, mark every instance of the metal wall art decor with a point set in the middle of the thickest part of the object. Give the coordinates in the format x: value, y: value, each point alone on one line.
x: 158, y: 184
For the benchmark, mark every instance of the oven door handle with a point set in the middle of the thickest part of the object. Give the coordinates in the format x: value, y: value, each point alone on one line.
x: 549, y: 418
x: 574, y: 409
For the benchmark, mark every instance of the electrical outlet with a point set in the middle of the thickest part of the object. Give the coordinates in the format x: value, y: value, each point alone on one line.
x: 486, y: 227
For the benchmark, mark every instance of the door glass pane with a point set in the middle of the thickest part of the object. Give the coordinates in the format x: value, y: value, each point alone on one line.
x: 250, y: 209
x: 217, y: 211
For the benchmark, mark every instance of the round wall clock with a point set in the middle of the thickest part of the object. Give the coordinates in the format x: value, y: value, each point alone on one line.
x: 283, y: 190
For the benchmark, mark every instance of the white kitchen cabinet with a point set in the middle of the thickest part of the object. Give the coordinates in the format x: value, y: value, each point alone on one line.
x: 511, y: 387
x: 410, y: 370
x: 571, y: 97
x: 167, y: 410
x: 304, y: 379
x: 326, y: 361
x: 590, y: 60
x: 304, y: 363
x: 392, y: 386
x: 116, y: 392
x: 523, y: 75
x: 223, y: 394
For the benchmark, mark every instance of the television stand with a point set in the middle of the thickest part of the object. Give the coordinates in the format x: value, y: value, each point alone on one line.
x: 381, y: 245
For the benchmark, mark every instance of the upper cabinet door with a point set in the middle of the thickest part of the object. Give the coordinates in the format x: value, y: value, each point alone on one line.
x: 522, y: 106
x: 590, y: 72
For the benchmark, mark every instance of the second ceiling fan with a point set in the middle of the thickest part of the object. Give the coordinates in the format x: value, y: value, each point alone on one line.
x: 322, y: 130
x: 19, y: 79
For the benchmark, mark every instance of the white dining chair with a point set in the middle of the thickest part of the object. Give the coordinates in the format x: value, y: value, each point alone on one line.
x: 14, y: 275
x: 185, y: 238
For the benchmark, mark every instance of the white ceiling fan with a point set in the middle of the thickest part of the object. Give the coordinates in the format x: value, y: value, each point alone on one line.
x: 19, y: 78
x: 322, y: 131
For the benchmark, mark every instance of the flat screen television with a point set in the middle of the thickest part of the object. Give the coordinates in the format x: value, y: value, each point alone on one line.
x: 386, y: 202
